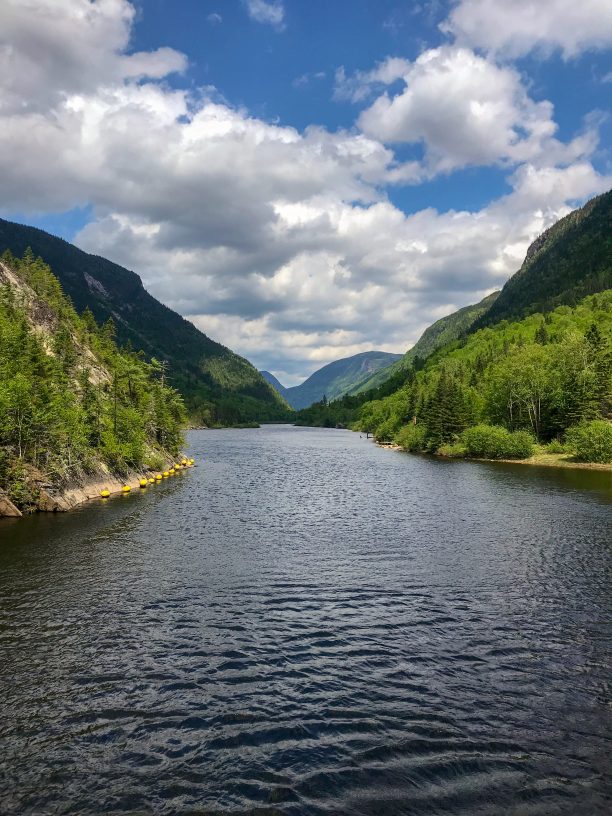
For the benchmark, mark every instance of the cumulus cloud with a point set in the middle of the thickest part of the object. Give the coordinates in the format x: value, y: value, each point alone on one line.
x: 278, y: 242
x: 517, y: 27
x: 465, y: 110
x: 271, y: 12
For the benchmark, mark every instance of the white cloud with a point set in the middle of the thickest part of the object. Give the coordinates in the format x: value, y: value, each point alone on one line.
x: 277, y: 242
x: 271, y: 12
x: 515, y: 27
x: 214, y: 18
x: 465, y: 110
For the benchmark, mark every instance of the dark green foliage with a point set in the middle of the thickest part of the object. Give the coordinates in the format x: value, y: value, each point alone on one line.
x: 506, y: 378
x: 591, y: 441
x: 495, y: 442
x: 344, y: 412
x: 439, y: 334
x: 69, y: 397
x: 219, y: 387
x: 569, y: 261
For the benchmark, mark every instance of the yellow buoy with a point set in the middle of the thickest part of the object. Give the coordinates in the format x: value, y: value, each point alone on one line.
x: 171, y: 471
x: 166, y: 473
x: 158, y: 477
x: 143, y: 483
x: 151, y: 480
x: 191, y: 461
x: 126, y: 489
x: 183, y: 462
x: 105, y: 493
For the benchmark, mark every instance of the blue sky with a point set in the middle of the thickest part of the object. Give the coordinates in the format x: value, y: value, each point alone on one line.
x: 305, y: 180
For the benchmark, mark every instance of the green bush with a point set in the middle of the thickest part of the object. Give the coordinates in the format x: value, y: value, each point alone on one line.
x: 412, y: 437
x: 591, y: 441
x: 452, y: 451
x: 495, y: 442
x: 555, y: 446
x: 520, y: 445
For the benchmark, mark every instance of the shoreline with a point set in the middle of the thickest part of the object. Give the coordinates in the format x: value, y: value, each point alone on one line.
x: 557, y: 460
x: 78, y: 493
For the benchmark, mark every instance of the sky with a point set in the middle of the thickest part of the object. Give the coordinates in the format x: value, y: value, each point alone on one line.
x: 305, y: 179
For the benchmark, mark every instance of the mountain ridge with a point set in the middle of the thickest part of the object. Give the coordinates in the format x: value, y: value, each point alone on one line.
x: 334, y: 380
x: 219, y: 386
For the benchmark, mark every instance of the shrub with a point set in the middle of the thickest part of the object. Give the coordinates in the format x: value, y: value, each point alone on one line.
x: 520, y: 445
x: 591, y: 441
x: 495, y: 442
x: 411, y: 438
x: 453, y: 451
x: 386, y: 430
x: 555, y: 446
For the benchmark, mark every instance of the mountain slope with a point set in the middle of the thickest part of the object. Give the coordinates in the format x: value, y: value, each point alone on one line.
x: 440, y: 333
x: 276, y: 384
x: 72, y: 404
x: 218, y: 385
x: 570, y: 260
x: 339, y: 378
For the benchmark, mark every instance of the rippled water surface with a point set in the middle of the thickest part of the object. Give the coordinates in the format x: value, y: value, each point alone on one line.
x: 308, y: 624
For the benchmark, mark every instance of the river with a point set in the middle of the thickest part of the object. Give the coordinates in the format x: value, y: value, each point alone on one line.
x: 308, y: 624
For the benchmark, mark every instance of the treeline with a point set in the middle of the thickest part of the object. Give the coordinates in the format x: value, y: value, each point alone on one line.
x: 69, y: 396
x: 546, y: 379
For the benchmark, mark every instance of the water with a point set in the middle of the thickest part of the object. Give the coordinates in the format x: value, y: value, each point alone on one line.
x: 308, y: 624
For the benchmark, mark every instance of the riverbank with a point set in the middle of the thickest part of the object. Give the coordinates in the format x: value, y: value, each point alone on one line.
x: 558, y: 460
x: 62, y: 499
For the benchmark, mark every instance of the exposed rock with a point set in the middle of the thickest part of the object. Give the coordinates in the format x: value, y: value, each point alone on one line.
x: 7, y: 508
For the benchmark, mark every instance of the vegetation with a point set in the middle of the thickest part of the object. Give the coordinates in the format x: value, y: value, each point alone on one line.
x: 570, y: 260
x: 70, y: 398
x: 336, y: 379
x: 499, y: 390
x: 591, y: 441
x: 439, y: 334
x: 218, y: 386
x: 502, y: 388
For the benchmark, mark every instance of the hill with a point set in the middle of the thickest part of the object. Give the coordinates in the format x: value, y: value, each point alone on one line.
x: 440, y: 333
x: 72, y: 404
x: 276, y: 384
x: 338, y: 378
x: 218, y: 386
x: 488, y: 370
x: 570, y: 260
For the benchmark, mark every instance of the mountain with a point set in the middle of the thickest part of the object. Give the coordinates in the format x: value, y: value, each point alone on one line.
x: 567, y: 272
x: 570, y: 260
x: 73, y: 406
x: 276, y: 384
x: 440, y: 333
x: 338, y: 378
x: 218, y: 386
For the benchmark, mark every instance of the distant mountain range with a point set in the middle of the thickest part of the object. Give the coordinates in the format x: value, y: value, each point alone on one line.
x: 336, y: 379
x: 218, y: 386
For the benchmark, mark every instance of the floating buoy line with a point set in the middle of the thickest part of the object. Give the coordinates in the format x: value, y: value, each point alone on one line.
x: 145, y: 481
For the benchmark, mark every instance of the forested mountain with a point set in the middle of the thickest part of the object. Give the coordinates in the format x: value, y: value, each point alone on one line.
x: 276, y: 384
x: 71, y: 401
x: 570, y: 260
x: 218, y: 386
x: 338, y: 378
x: 498, y: 389
x: 440, y: 333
